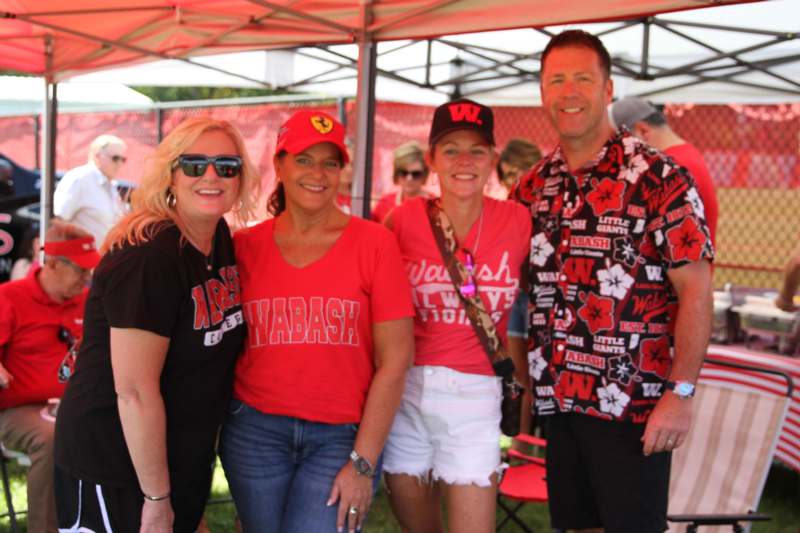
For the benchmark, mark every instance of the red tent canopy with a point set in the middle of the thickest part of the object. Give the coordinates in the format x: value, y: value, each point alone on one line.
x: 55, y: 39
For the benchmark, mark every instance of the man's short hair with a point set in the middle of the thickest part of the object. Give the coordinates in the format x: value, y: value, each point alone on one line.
x: 101, y: 142
x: 630, y: 110
x: 580, y: 38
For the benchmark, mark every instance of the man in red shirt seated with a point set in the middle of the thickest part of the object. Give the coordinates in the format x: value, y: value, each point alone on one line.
x: 41, y: 316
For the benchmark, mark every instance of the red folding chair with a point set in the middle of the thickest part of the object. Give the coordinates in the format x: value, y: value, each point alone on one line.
x: 523, y: 482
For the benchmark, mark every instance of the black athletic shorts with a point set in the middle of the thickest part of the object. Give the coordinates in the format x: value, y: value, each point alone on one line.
x: 108, y: 509
x: 597, y: 476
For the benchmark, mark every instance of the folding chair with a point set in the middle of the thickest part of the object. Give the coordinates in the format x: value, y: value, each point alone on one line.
x: 7, y: 457
x: 719, y: 472
x: 523, y: 482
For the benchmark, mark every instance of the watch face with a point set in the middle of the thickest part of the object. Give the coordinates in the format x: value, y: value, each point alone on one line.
x: 684, y: 389
x: 362, y: 466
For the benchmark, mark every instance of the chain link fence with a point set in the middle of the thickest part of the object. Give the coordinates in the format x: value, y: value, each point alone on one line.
x: 752, y: 151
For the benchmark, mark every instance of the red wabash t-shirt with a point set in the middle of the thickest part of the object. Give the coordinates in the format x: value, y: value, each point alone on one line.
x: 30, y: 345
x: 309, y: 351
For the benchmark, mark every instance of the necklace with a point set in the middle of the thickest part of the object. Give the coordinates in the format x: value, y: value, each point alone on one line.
x: 478, y: 236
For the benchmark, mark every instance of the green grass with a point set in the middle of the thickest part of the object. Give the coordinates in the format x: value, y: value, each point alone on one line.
x: 779, y: 500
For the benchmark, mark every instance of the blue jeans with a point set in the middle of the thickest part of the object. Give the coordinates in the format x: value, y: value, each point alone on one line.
x: 281, y: 469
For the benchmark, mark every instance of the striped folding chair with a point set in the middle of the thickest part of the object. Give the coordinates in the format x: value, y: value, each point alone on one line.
x: 719, y: 472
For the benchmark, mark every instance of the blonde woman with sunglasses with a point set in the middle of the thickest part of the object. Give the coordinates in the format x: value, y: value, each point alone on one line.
x: 137, y: 426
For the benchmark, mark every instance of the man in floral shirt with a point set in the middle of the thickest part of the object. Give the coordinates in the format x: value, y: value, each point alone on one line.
x: 620, y: 290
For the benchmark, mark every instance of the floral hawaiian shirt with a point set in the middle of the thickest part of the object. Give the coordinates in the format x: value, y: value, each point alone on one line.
x: 602, y: 310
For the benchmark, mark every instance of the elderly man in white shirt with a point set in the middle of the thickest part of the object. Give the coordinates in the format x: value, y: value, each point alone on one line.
x: 85, y: 195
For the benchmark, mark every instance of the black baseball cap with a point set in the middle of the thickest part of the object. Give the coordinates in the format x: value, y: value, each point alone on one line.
x: 462, y: 114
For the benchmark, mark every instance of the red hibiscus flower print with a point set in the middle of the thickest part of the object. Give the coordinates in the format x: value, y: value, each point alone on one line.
x: 598, y: 313
x: 656, y: 358
x: 606, y: 196
x: 686, y: 241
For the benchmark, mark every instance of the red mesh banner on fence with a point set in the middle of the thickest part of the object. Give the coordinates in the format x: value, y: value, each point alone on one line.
x: 753, y: 154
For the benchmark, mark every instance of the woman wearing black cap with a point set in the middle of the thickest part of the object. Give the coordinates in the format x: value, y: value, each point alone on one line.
x: 463, y: 254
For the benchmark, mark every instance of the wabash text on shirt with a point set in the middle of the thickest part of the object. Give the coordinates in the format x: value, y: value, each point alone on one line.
x: 299, y: 320
x: 212, y: 299
x: 602, y: 309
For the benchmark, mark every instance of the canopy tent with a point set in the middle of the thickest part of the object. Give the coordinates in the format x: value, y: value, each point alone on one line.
x: 22, y: 95
x: 46, y: 38
x: 690, y: 57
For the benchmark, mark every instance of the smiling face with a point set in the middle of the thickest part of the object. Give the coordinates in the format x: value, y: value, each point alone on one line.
x: 575, y: 94
x: 463, y: 160
x: 311, y: 177
x: 206, y: 197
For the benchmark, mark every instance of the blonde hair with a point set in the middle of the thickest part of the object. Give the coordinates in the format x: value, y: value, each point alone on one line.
x: 406, y: 154
x: 150, y: 211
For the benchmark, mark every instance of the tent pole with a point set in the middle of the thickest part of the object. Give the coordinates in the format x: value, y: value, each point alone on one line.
x: 47, y: 179
x: 365, y: 118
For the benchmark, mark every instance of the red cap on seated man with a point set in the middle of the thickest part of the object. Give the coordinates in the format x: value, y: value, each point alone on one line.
x: 41, y: 315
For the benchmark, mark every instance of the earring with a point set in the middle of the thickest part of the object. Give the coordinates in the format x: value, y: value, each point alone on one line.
x: 172, y: 200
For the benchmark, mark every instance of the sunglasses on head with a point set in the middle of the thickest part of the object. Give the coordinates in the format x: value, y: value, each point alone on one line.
x: 118, y: 158
x: 414, y: 174
x: 195, y: 165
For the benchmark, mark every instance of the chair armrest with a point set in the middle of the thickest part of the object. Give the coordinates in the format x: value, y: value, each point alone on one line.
x: 531, y: 440
x: 514, y: 454
x: 718, y: 519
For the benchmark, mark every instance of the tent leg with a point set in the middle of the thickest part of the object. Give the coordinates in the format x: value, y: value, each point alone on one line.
x: 365, y: 123
x: 47, y: 180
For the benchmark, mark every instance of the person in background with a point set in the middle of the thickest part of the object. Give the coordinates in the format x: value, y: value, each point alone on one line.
x: 791, y: 282
x: 345, y: 191
x: 137, y: 426
x: 409, y: 172
x: 645, y: 121
x: 620, y: 301
x: 445, y: 440
x: 29, y: 255
x: 40, y: 324
x: 85, y: 195
x: 330, y: 338
x: 516, y: 160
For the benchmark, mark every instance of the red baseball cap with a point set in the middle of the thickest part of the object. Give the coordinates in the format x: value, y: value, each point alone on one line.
x: 80, y: 251
x: 309, y: 127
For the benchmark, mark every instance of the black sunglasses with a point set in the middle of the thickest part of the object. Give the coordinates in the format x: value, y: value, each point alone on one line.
x: 415, y: 174
x: 118, y: 158
x: 195, y: 165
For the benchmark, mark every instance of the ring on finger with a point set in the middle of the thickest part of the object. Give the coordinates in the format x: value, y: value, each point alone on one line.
x: 353, y: 510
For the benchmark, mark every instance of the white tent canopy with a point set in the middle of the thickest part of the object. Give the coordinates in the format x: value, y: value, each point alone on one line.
x: 20, y: 95
x: 667, y: 50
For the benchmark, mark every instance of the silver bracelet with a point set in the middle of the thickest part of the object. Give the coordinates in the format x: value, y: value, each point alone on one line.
x: 156, y: 498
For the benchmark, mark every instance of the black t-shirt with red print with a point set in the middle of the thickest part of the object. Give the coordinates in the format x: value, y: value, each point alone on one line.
x: 602, y: 311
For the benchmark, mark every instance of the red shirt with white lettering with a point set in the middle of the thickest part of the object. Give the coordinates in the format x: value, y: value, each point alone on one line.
x: 690, y: 157
x: 30, y: 346
x: 309, y: 351
x: 498, y: 242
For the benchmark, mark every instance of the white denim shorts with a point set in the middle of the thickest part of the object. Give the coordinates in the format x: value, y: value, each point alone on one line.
x: 448, y: 425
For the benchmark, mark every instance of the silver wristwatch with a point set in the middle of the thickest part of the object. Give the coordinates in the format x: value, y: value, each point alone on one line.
x: 682, y: 389
x: 362, y: 465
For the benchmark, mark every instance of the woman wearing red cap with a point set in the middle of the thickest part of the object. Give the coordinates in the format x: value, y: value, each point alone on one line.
x: 329, y: 341
x: 463, y: 256
x: 137, y: 426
